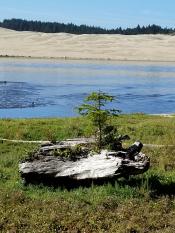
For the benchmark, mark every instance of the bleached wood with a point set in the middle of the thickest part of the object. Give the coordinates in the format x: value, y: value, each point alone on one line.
x: 93, y: 167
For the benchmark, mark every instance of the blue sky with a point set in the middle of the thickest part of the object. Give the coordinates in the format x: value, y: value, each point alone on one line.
x: 104, y: 13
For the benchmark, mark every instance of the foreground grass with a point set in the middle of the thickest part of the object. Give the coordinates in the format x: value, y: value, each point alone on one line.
x: 148, y: 129
x: 144, y: 203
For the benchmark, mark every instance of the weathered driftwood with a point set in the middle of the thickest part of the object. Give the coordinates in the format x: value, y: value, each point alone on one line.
x: 50, y: 169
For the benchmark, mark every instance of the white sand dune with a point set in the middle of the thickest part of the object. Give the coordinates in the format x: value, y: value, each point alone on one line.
x: 63, y: 45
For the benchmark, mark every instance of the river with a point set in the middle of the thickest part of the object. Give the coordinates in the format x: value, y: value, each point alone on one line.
x: 53, y: 88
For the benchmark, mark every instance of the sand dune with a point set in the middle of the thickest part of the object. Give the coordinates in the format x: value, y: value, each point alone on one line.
x: 63, y: 45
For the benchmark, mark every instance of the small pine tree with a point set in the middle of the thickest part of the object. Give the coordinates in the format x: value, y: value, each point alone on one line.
x: 94, y: 108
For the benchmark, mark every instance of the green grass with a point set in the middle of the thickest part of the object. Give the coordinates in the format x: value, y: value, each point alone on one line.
x: 145, y: 203
x: 149, y: 129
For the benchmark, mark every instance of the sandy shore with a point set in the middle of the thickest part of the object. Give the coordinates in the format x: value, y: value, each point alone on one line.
x: 104, y: 47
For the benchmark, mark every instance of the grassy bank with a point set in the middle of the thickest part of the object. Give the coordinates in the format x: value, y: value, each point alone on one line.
x: 145, y: 203
x: 149, y: 129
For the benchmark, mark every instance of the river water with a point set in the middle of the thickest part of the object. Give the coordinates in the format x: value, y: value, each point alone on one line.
x: 50, y: 88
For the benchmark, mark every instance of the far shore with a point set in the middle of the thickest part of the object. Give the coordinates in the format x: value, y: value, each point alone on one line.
x: 85, y: 59
x: 63, y: 46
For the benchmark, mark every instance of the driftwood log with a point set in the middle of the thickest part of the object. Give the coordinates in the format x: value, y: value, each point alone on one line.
x: 49, y: 169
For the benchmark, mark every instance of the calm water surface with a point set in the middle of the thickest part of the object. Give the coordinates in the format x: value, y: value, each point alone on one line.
x: 49, y: 88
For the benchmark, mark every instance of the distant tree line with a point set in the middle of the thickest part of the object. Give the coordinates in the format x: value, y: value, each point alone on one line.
x: 54, y: 27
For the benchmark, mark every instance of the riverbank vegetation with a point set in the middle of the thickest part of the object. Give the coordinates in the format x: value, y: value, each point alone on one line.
x: 144, y: 203
x: 147, y: 128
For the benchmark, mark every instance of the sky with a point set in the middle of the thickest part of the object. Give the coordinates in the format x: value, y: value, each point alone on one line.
x: 103, y: 13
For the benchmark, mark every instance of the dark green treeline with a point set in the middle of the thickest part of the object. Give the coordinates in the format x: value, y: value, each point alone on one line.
x: 54, y: 27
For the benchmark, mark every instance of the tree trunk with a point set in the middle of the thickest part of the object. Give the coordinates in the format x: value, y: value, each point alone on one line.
x: 53, y: 170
